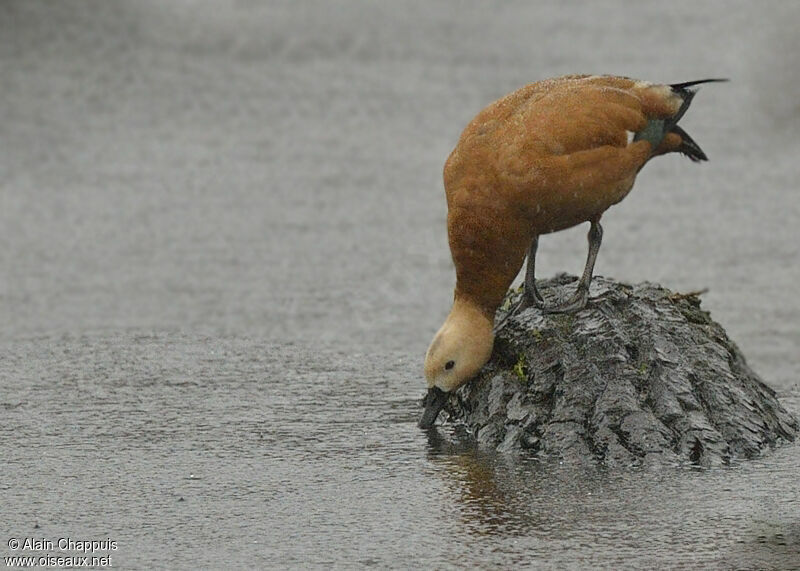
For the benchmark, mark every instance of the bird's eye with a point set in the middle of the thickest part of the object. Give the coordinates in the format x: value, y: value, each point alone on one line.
x: 449, y: 365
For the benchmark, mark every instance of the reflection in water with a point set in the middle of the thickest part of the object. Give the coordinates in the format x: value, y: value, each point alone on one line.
x: 568, y: 511
x: 502, y: 494
x: 484, y: 507
x: 770, y: 546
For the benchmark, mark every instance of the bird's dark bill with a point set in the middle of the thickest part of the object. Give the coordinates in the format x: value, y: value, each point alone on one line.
x: 434, y: 402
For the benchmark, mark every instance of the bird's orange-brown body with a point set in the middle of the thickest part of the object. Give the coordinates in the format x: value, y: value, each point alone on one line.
x: 546, y: 157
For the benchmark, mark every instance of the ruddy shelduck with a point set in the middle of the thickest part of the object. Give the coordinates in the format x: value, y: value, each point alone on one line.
x: 549, y: 156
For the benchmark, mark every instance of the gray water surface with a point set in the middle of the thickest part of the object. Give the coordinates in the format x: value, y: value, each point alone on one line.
x: 223, y: 255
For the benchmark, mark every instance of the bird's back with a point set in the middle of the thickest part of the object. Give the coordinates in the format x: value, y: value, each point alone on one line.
x: 531, y: 133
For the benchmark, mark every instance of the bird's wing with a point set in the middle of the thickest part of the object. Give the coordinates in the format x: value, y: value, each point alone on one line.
x: 580, y: 118
x: 574, y: 132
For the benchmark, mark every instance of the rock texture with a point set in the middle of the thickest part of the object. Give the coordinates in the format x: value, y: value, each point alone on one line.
x: 641, y: 374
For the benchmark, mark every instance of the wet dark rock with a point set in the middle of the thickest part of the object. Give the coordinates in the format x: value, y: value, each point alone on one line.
x: 641, y: 374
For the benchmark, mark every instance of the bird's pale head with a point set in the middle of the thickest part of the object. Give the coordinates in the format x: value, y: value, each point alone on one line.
x: 458, y: 351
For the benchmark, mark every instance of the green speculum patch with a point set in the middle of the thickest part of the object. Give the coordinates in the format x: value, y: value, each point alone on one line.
x: 652, y: 133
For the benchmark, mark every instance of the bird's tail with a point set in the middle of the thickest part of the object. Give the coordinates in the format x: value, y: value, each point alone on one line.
x: 657, y: 129
x: 688, y: 147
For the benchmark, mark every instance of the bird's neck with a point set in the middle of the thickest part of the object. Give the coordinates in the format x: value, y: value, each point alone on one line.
x: 467, y: 313
x: 488, y: 249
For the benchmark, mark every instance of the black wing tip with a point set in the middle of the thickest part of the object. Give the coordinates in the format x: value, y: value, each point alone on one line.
x: 688, y: 146
x: 684, y: 85
x: 702, y: 158
x: 687, y: 95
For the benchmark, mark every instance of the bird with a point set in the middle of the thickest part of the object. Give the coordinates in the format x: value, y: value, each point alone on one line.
x: 549, y: 156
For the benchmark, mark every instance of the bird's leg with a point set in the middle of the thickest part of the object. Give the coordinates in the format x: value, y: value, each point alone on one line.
x: 531, y: 296
x: 578, y: 301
